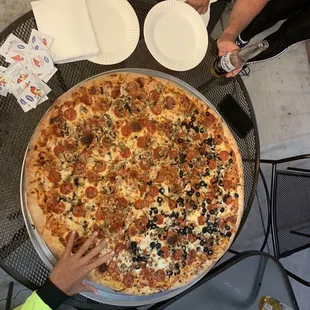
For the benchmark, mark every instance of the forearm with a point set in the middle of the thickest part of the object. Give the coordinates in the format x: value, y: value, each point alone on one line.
x: 243, y: 12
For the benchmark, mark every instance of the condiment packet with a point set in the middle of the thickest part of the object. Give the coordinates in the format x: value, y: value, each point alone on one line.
x: 15, y: 74
x: 2, y: 69
x: 40, y: 46
x: 3, y: 82
x: 46, y: 77
x: 34, y: 93
x: 4, y: 49
x: 18, y: 52
x: 37, y: 36
x: 40, y: 61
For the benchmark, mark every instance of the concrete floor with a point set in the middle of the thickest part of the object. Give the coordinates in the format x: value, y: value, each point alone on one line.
x: 280, y: 92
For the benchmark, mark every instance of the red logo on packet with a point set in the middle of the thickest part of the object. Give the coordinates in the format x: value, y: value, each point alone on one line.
x: 35, y: 91
x: 44, y: 41
x: 22, y: 77
x: 2, y: 81
x: 36, y: 62
x: 17, y: 58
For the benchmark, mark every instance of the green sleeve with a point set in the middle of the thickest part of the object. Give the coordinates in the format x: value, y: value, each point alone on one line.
x: 33, y: 302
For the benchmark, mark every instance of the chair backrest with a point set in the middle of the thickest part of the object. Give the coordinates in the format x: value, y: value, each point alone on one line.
x: 291, y: 212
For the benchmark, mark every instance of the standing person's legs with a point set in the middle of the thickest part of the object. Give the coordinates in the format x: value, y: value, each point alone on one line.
x: 274, y: 11
x: 293, y: 30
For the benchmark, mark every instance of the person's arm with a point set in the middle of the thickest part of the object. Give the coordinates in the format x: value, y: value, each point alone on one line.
x: 66, y: 279
x: 200, y: 5
x: 243, y: 12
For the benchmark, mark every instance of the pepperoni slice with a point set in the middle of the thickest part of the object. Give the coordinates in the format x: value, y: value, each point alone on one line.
x: 91, y: 192
x: 58, y: 149
x: 132, y: 88
x: 160, y: 219
x: 177, y: 254
x: 224, y: 155
x: 93, y: 177
x: 100, y: 214
x: 201, y: 220
x: 191, y: 257
x: 125, y: 152
x: 112, y: 267
x: 170, y: 103
x: 136, y: 127
x: 99, y: 231
x: 70, y: 114
x: 57, y: 131
x: 159, y: 275
x: 160, y: 152
x: 191, y: 238
x: 120, y: 112
x: 151, y: 127
x: 172, y: 154
x: 119, y: 247
x: 148, y: 274
x: 156, y: 109
x: 153, y: 191
x: 100, y: 166
x: 121, y: 202
x: 59, y: 208
x: 191, y: 154
x: 229, y: 200
x: 218, y: 138
x: 53, y: 176
x: 128, y: 280
x: 51, y: 201
x: 227, y: 184
x: 212, y: 164
x: 132, y: 230
x: 142, y: 141
x: 172, y: 204
x: 138, y: 204
x: 141, y: 223
x: 165, y: 252
x: 126, y: 131
x: 78, y: 168
x: 115, y: 92
x: 161, y: 176
x: 86, y: 99
x: 79, y: 211
x: 154, y: 95
x: 66, y: 188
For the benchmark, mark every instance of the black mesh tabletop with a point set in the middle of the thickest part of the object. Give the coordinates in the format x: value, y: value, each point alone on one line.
x: 17, y: 255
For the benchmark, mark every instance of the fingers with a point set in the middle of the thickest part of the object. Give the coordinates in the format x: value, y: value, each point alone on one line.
x: 70, y: 243
x: 95, y: 251
x: 88, y: 288
x: 99, y: 261
x: 233, y: 73
x: 87, y: 244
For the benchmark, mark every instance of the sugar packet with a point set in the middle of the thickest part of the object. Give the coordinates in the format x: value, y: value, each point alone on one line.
x: 4, y: 49
x: 18, y: 52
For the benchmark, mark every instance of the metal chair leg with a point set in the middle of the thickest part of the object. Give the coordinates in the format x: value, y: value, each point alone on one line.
x: 9, y: 296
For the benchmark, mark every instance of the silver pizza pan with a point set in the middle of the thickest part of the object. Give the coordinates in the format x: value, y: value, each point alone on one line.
x: 106, y: 295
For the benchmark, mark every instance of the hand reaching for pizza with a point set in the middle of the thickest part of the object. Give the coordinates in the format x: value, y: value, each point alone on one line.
x: 71, y: 269
x: 201, y: 6
x: 225, y: 44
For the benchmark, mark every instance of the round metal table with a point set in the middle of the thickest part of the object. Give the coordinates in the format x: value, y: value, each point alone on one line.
x: 17, y: 255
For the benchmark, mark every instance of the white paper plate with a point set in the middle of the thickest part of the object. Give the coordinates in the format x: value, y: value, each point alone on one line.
x: 116, y: 28
x: 176, y: 35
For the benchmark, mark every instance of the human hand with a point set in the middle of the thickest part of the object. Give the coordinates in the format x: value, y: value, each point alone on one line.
x: 225, y: 44
x: 71, y: 269
x: 201, y: 6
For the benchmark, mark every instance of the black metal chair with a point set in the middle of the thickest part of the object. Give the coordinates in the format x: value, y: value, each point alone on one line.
x: 290, y: 208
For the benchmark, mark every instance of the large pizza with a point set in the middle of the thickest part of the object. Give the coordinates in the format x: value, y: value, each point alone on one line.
x: 150, y: 167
